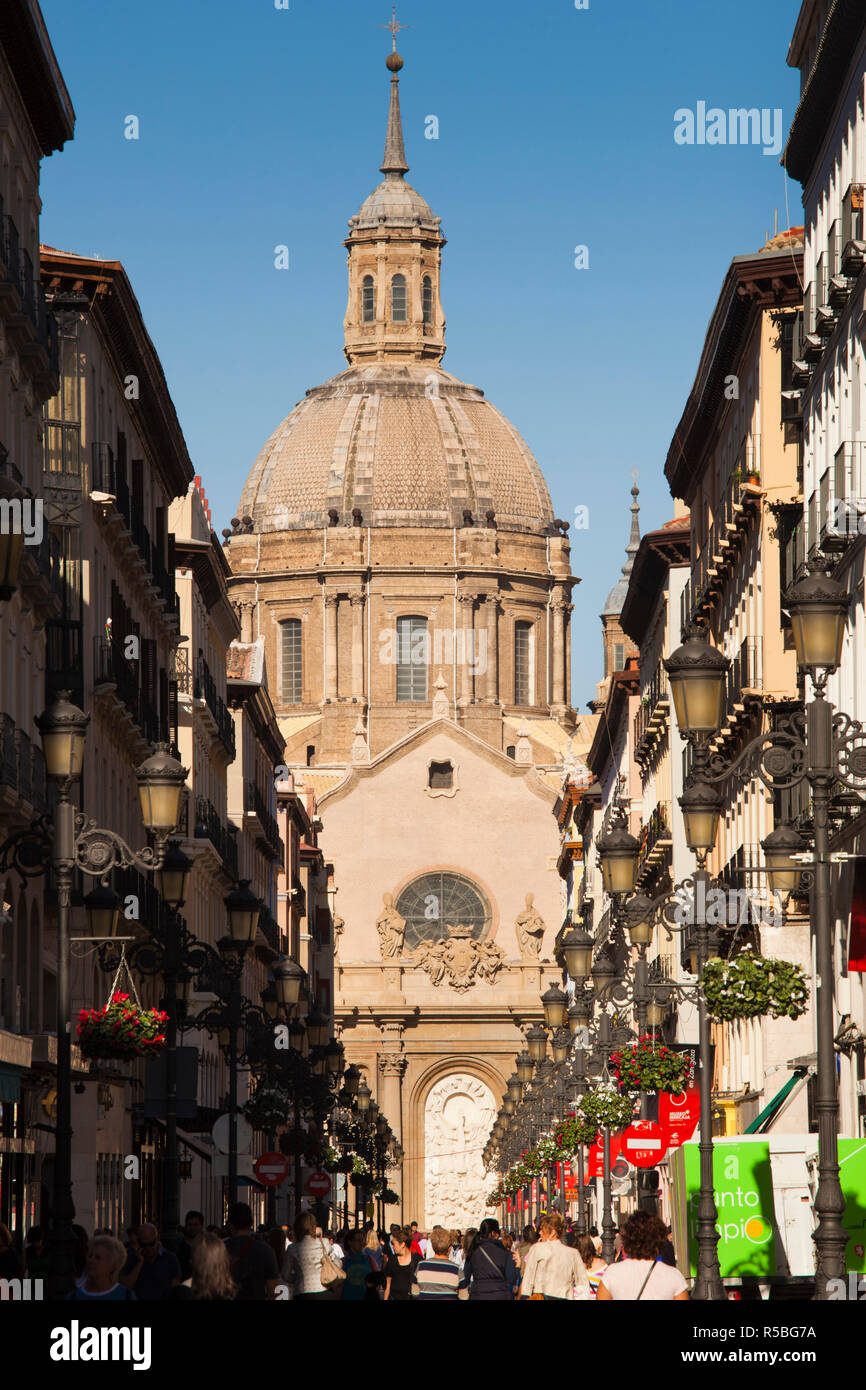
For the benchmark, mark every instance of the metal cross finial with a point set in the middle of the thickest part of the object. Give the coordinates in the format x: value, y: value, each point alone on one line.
x: 634, y: 476
x: 395, y: 27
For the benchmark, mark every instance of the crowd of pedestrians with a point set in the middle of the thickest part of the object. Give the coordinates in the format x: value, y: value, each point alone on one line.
x: 403, y: 1264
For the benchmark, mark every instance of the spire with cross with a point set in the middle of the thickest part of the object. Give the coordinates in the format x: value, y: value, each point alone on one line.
x: 394, y: 160
x: 395, y: 28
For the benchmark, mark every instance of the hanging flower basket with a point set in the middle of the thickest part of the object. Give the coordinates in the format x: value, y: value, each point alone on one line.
x: 647, y: 1067
x: 603, y: 1107
x: 752, y: 986
x: 268, y: 1110
x: 298, y: 1144
x: 569, y: 1134
x: 122, y: 1030
x: 389, y: 1197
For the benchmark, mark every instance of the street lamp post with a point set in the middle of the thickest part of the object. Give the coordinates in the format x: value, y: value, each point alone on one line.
x: 72, y: 842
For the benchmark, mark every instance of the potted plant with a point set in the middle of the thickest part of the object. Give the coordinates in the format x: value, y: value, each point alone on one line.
x: 749, y: 985
x: 647, y: 1067
x: 122, y: 1030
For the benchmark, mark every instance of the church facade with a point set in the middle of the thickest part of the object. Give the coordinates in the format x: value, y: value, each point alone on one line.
x: 397, y: 550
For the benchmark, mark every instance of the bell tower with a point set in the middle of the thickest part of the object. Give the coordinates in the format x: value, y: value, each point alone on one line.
x: 395, y: 259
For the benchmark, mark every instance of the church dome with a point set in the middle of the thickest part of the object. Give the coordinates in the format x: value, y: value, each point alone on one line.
x: 404, y: 443
x: 395, y: 440
x: 396, y: 203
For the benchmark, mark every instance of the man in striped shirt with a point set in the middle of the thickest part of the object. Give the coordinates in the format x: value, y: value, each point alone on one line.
x: 438, y: 1277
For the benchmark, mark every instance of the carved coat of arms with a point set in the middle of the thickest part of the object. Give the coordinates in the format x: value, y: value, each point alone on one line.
x: 459, y: 956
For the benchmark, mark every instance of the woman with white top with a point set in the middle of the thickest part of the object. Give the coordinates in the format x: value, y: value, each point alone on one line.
x: 642, y: 1276
x: 552, y: 1270
x: 302, y: 1266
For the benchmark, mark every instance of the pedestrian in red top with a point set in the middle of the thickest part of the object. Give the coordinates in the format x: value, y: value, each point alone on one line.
x: 415, y: 1247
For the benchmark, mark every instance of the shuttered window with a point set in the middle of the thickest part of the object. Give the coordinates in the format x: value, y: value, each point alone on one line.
x: 291, y: 670
x: 412, y: 656
x: 428, y: 299
x: 398, y: 299
x: 368, y: 300
x: 522, y: 666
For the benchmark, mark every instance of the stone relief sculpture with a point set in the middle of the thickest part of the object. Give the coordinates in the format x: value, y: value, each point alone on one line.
x: 391, y: 928
x: 529, y: 929
x: 458, y: 1115
x: 460, y: 957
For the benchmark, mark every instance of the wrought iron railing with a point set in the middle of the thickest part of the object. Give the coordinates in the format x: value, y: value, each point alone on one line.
x: 8, y: 753
x: 254, y: 802
x: 208, y: 826
x: 654, y: 693
x: 205, y: 689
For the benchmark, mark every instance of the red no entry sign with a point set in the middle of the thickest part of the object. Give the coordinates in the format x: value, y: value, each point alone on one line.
x: 271, y: 1169
x: 318, y: 1184
x: 644, y: 1144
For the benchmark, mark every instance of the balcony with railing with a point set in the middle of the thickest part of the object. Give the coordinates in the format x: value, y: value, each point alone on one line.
x: 112, y: 671
x: 268, y: 829
x: 650, y: 721
x: 8, y: 754
x: 739, y: 504
x: 208, y: 826
x: 204, y: 690
x: 841, y: 501
x: 656, y: 841
x: 34, y: 324
x: 22, y: 767
x: 270, y: 929
x: 744, y: 679
x: 743, y: 888
x: 108, y: 477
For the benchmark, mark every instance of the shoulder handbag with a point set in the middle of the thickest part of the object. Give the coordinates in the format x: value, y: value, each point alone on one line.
x: 330, y: 1272
x: 646, y: 1281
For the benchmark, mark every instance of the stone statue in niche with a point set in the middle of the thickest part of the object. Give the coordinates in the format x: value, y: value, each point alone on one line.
x: 529, y: 928
x: 391, y: 928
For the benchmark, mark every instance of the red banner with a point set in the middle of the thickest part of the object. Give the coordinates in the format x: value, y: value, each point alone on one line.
x: 595, y: 1165
x: 857, y: 931
x: 679, y: 1115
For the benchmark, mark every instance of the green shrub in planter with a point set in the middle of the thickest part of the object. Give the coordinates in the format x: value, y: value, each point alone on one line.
x: 752, y: 986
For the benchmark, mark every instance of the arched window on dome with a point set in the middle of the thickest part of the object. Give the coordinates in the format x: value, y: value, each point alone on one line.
x: 427, y: 299
x: 398, y: 299
x: 291, y: 670
x: 523, y: 663
x: 368, y: 300
x: 413, y: 657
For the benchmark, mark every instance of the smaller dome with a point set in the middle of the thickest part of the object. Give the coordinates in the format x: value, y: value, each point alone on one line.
x: 395, y: 202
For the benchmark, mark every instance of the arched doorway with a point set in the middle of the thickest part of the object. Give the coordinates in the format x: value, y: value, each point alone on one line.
x: 458, y: 1116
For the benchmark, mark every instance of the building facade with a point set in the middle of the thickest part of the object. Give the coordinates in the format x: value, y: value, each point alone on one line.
x: 36, y: 118
x: 826, y: 154
x: 734, y: 461
x: 412, y: 588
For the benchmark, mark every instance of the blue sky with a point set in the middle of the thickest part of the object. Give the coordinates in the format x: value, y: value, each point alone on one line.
x: 261, y: 127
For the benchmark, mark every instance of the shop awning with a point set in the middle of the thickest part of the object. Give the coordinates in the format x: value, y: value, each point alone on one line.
x: 762, y: 1122
x: 10, y: 1084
